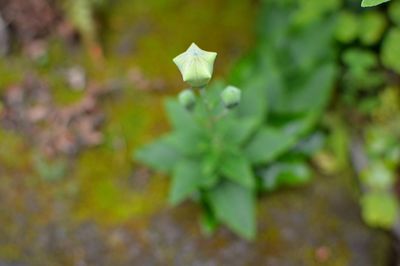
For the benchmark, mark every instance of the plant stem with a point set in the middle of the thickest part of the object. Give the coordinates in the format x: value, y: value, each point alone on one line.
x: 208, y: 108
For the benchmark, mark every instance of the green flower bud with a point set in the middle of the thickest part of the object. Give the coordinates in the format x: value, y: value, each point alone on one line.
x: 187, y: 99
x: 231, y: 96
x: 196, y: 66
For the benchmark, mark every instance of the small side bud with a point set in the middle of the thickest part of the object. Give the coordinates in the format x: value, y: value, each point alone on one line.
x: 231, y: 97
x: 187, y: 99
x: 196, y: 66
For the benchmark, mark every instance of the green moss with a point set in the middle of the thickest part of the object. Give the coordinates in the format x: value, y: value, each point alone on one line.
x: 13, y: 151
x: 11, y: 72
x: 165, y: 27
x: 104, y: 194
x: 102, y: 172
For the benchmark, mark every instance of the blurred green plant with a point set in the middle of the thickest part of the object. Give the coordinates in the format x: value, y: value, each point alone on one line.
x: 391, y: 50
x: 379, y: 203
x: 370, y: 58
x: 220, y: 153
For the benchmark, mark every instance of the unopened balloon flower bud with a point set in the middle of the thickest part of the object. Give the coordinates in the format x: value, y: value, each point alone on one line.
x: 187, y: 99
x: 196, y: 66
x: 231, y: 96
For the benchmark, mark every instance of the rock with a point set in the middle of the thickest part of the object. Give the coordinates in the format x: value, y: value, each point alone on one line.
x: 76, y: 78
x: 315, y: 225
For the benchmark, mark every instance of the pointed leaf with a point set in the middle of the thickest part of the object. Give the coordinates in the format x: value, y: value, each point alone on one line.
x: 237, y: 169
x: 283, y: 174
x: 369, y: 3
x: 186, y: 179
x: 268, y: 144
x: 390, y: 53
x: 254, y: 99
x: 179, y: 117
x: 187, y: 143
x: 234, y: 205
x: 158, y: 155
x: 208, y: 223
x: 242, y: 130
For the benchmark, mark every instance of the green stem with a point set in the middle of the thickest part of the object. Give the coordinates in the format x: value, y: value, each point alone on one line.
x: 221, y: 115
x: 208, y: 108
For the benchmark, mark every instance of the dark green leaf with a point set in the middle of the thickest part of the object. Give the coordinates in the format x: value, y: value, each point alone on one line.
x: 179, y: 117
x: 391, y: 50
x: 254, y: 99
x: 394, y: 12
x: 209, y: 181
x: 347, y: 27
x: 211, y: 162
x: 236, y: 168
x: 158, y: 155
x: 283, y: 174
x: 234, y: 205
x: 187, y: 143
x: 268, y: 144
x: 208, y: 223
x: 360, y: 58
x: 373, y: 27
x: 186, y: 179
x: 237, y: 131
x: 313, y: 94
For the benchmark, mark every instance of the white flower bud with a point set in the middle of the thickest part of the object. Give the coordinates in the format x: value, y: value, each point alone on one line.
x: 196, y: 66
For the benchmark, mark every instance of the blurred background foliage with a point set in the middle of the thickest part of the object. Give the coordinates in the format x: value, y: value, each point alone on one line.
x: 82, y: 87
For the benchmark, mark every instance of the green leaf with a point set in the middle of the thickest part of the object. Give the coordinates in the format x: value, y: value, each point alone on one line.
x: 314, y: 93
x: 380, y: 209
x: 209, y: 181
x: 310, y: 12
x: 309, y: 50
x: 236, y: 168
x: 187, y: 143
x: 390, y: 53
x: 186, y: 179
x: 234, y: 205
x: 158, y: 155
x: 268, y: 144
x: 369, y: 3
x: 373, y: 24
x: 242, y: 130
x: 210, y: 165
x: 360, y: 58
x: 378, y: 176
x: 254, y: 99
x: 179, y: 117
x: 347, y: 27
x: 283, y: 174
x: 237, y: 131
x: 394, y: 12
x: 208, y: 223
